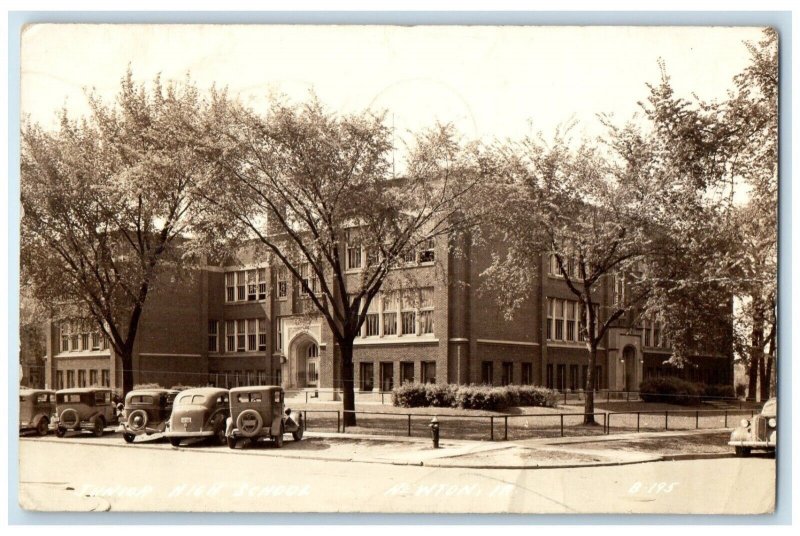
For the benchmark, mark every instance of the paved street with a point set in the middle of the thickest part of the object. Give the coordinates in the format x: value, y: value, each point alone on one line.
x: 157, y: 476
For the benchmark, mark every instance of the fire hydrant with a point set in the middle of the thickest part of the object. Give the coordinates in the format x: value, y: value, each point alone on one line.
x: 434, y: 425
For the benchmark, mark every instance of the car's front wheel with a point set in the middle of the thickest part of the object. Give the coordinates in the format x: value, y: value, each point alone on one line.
x: 128, y: 438
x: 742, y: 452
x: 42, y: 427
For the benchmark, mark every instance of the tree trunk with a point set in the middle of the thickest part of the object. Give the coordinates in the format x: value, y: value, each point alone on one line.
x: 756, y: 352
x: 127, y: 372
x: 588, y: 406
x: 348, y: 382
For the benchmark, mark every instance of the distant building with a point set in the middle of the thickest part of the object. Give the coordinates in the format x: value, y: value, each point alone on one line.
x: 249, y: 324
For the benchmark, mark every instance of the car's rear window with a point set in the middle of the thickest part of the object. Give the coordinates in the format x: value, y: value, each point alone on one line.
x: 43, y: 398
x: 249, y: 397
x: 72, y: 398
x: 142, y: 400
x: 191, y: 399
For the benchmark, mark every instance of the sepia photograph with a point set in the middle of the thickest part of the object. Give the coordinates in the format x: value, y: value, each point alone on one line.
x: 398, y: 269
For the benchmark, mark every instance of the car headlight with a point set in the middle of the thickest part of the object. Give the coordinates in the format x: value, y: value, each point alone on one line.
x: 744, y: 423
x: 772, y: 422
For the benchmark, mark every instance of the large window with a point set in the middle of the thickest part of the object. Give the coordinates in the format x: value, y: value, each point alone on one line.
x: 262, y: 334
x: 213, y: 335
x: 60, y: 379
x: 246, y: 285
x: 106, y: 377
x: 308, y: 277
x: 508, y: 373
x: 282, y: 280
x: 390, y: 305
x: 406, y: 371
x: 241, y: 335
x: 653, y: 334
x: 426, y: 252
x: 563, y: 320
x: 429, y: 372
x: 252, y: 335
x: 387, y: 376
x: 487, y: 372
x: 230, y: 335
x: 400, y: 313
x: 93, y: 378
x: 353, y: 257
x: 426, y: 311
x: 70, y: 378
x: 527, y: 374
x: 81, y: 378
x: 367, y: 373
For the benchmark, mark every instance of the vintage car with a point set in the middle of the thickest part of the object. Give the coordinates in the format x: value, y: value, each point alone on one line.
x: 257, y: 411
x: 761, y: 432
x: 85, y: 408
x: 146, y: 412
x: 199, y: 412
x: 36, y: 408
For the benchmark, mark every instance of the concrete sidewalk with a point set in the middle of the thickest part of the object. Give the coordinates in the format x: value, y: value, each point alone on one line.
x: 586, y: 451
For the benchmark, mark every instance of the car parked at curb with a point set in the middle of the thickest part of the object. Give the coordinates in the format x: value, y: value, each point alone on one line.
x: 257, y: 411
x: 36, y: 408
x: 84, y: 408
x: 198, y: 412
x: 760, y: 432
x: 146, y: 412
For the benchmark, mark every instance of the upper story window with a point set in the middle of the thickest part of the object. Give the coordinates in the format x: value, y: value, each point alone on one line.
x: 400, y: 313
x: 246, y: 285
x: 213, y: 335
x: 282, y: 282
x: 426, y: 252
x: 309, y: 278
x: 77, y: 335
x: 653, y: 334
x: 619, y: 290
x: 564, y: 320
x: 571, y: 266
x: 354, y: 256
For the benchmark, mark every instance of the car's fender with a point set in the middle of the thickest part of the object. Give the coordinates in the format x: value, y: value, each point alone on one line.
x: 229, y: 426
x: 740, y: 434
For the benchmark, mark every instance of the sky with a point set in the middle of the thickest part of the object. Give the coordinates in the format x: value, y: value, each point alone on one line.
x: 491, y: 82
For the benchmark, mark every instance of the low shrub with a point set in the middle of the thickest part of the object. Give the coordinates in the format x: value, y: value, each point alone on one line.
x: 485, y: 397
x: 670, y: 390
x: 146, y: 386
x: 719, y: 391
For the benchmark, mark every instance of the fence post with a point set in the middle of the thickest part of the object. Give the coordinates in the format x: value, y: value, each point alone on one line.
x: 381, y: 398
x: 666, y: 420
x: 305, y: 420
x: 628, y: 396
x: 726, y: 419
x: 306, y: 397
x: 608, y: 423
x: 565, y: 398
x: 491, y: 423
x: 409, y: 425
x: 505, y: 428
x: 638, y: 418
x: 562, y: 425
x: 608, y: 396
x: 344, y: 421
x: 697, y: 419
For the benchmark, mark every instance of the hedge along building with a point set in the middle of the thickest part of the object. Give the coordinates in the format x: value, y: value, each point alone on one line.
x: 249, y: 323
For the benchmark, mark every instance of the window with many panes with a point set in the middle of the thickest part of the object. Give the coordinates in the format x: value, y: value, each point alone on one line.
x: 308, y: 277
x: 426, y: 251
x: 230, y: 335
x: 426, y: 311
x: 390, y: 304
x: 241, y: 335
x: 262, y: 283
x: 230, y: 286
x: 564, y: 320
x: 262, y: 334
x: 241, y: 287
x: 93, y: 378
x: 70, y: 378
x: 353, y: 256
x: 252, y: 335
x: 252, y: 286
x: 282, y: 281
x: 213, y: 334
x: 106, y: 377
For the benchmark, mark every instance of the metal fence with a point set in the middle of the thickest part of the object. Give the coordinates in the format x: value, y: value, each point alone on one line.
x: 508, y: 426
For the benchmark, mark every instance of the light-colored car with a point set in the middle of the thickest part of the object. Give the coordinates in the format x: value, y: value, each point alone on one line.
x: 199, y: 412
x: 146, y: 412
x: 257, y: 411
x: 84, y: 408
x: 36, y: 408
x: 760, y: 432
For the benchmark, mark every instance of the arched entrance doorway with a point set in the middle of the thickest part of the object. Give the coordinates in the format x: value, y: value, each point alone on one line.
x: 301, y: 369
x: 629, y: 368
